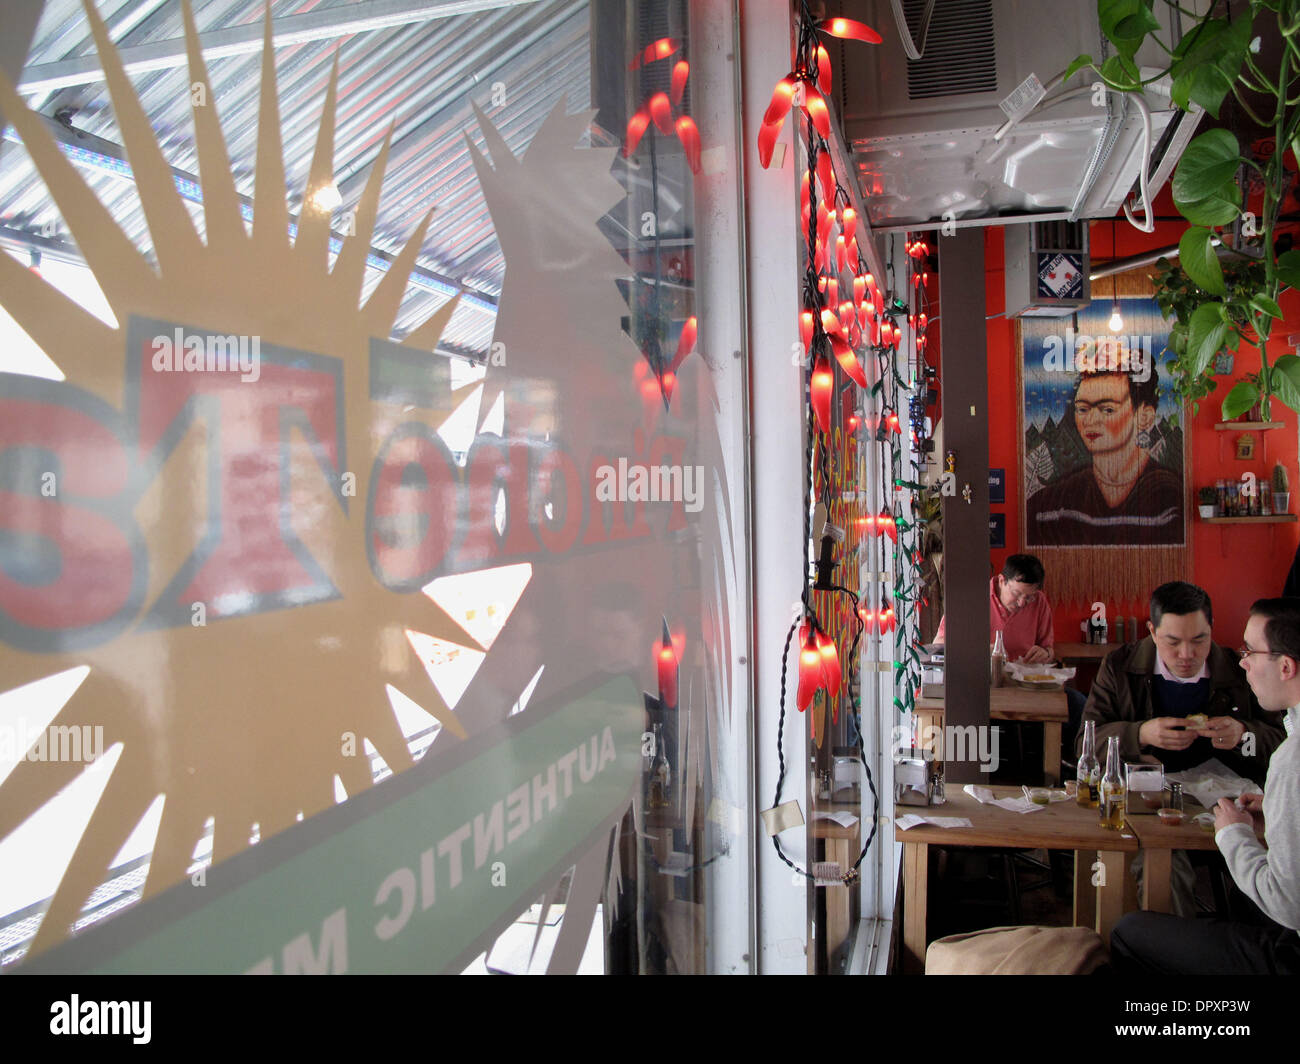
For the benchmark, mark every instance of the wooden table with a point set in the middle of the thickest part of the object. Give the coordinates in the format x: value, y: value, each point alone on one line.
x: 1060, y: 826
x: 1077, y: 652
x: 1158, y: 841
x: 1011, y: 704
x: 842, y: 846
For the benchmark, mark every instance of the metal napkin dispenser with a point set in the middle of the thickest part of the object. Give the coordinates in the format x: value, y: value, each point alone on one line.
x: 913, y: 776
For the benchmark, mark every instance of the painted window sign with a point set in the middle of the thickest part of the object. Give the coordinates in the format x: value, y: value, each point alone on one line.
x: 245, y: 521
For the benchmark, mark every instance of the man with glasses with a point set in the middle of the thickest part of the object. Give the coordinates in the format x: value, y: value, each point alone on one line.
x: 1269, y: 875
x: 1145, y: 693
x: 1019, y: 610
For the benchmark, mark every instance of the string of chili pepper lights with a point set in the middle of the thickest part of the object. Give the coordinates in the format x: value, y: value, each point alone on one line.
x: 833, y: 328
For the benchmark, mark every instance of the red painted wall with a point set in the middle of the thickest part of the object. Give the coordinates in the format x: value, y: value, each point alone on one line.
x: 1236, y: 564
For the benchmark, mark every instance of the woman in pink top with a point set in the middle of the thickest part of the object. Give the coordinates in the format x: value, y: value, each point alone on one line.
x: 1019, y: 610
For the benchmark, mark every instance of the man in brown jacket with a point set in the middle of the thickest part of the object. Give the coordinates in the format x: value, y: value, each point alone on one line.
x: 1145, y: 693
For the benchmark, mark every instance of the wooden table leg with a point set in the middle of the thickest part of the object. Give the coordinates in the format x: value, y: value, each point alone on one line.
x: 1085, y: 893
x: 1156, y: 894
x: 838, y: 898
x: 916, y: 870
x: 1110, y: 893
x: 1051, y: 753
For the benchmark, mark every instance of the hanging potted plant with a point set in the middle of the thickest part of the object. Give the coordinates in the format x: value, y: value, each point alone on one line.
x: 1215, y: 59
x: 1178, y: 296
x: 1206, y: 499
x: 1281, y: 490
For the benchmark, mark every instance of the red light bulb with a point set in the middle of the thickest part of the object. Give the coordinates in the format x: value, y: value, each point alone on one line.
x: 848, y: 361
x: 814, y: 106
x: 823, y: 70
x: 681, y: 71
x: 636, y: 127
x: 820, y: 388
x: 810, y: 672
x: 688, y: 133
x: 779, y: 107
x: 850, y: 30
x: 662, y: 112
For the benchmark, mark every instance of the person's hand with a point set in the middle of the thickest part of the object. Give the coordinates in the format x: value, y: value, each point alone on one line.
x: 1036, y: 654
x: 1252, y: 803
x: 1226, y: 812
x: 1224, y: 733
x: 1166, y: 733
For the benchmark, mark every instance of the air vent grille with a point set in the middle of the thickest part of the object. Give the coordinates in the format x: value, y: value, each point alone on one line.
x: 960, y: 55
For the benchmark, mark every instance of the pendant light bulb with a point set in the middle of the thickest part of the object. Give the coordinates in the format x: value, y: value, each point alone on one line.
x: 1116, y: 323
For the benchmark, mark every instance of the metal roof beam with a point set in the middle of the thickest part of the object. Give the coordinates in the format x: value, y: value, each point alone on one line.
x: 241, y: 40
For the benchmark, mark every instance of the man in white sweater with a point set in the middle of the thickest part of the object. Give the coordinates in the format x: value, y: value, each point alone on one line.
x: 1270, y: 877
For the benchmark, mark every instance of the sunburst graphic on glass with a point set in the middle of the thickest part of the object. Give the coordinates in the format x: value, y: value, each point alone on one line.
x: 245, y: 719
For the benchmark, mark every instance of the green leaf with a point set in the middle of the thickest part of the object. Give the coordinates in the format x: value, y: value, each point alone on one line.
x: 1216, y: 210
x: 1208, y: 167
x: 1207, y: 62
x: 1243, y: 396
x: 1125, y: 23
x: 1285, y: 380
x: 1196, y: 253
x: 1205, y: 335
x: 1288, y: 268
x: 1263, y: 305
x: 1080, y: 61
x: 1122, y: 71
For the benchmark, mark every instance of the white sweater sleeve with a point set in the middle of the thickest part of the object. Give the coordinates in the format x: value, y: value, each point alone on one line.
x: 1271, y: 877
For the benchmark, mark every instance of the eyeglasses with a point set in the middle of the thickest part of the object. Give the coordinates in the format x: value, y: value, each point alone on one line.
x: 1245, y: 652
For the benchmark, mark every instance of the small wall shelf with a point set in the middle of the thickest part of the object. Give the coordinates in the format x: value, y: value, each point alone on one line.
x: 1261, y: 427
x: 1272, y: 522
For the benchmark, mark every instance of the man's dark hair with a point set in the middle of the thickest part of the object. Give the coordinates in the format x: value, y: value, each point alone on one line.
x: 1025, y: 568
x: 1282, y: 625
x: 1181, y: 598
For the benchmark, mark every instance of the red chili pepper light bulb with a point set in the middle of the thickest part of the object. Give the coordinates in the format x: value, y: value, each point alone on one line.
x: 823, y: 70
x: 826, y: 175
x: 666, y: 659
x: 850, y: 30
x: 767, y: 136
x: 662, y: 112
x: 782, y: 97
x: 806, y: 330
x: 656, y: 50
x: 848, y: 361
x: 810, y: 671
x: 830, y: 663
x: 688, y: 133
x: 814, y: 106
x: 821, y: 387
x: 681, y: 71
x: 636, y: 127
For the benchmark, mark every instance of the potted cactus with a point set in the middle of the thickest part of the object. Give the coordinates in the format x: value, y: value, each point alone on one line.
x: 1281, y: 490
x: 1206, y: 499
